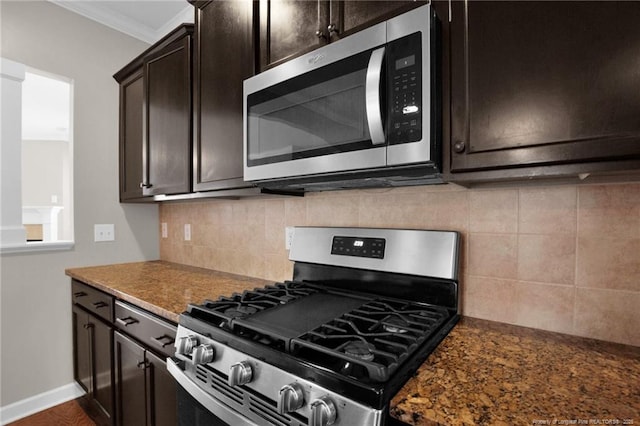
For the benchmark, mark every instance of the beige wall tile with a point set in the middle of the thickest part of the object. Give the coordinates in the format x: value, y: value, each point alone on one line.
x: 295, y: 211
x: 217, y: 212
x: 493, y: 211
x: 446, y: 210
x: 489, y: 298
x: 611, y: 211
x: 547, y: 258
x: 544, y: 306
x: 202, y: 256
x: 332, y: 210
x: 548, y: 210
x: 493, y: 255
x: 392, y: 210
x: 274, y: 226
x: 521, y: 255
x: 610, y: 315
x: 612, y: 263
x: 275, y: 268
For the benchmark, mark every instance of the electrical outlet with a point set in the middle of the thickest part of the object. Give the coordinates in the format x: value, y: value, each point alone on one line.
x: 187, y: 232
x: 104, y: 232
x: 164, y: 230
x: 289, y: 231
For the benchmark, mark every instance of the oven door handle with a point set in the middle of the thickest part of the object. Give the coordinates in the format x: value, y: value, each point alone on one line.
x: 373, y: 98
x: 215, y: 407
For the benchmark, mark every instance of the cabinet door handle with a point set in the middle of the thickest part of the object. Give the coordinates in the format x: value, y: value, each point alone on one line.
x: 88, y: 326
x: 79, y: 294
x: 333, y: 29
x: 459, y: 147
x: 126, y: 321
x: 163, y: 341
x: 145, y: 185
x: 320, y: 34
x: 144, y: 364
x: 100, y: 304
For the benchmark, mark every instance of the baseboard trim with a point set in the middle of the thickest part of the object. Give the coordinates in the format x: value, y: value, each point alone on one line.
x: 26, y: 407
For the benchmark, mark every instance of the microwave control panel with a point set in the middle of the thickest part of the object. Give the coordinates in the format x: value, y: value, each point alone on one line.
x: 404, y: 70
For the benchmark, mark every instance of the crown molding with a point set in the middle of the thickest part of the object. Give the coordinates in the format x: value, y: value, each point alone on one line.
x: 123, y: 23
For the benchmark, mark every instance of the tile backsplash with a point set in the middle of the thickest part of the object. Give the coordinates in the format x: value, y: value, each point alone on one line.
x: 560, y: 258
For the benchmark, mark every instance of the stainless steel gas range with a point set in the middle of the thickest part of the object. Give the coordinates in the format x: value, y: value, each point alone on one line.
x: 332, y: 346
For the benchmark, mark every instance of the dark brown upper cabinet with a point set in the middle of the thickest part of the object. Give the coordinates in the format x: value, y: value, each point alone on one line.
x: 289, y: 28
x: 130, y: 149
x: 167, y: 117
x: 543, y: 89
x: 223, y: 59
x: 156, y: 119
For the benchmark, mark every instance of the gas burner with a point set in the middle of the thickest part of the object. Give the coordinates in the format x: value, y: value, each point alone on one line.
x: 359, y: 349
x: 395, y: 325
x: 240, y: 311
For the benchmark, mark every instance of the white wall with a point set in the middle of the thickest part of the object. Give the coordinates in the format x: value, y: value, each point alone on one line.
x: 36, y: 350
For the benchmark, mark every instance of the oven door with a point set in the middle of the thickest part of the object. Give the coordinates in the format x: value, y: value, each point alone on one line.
x: 319, y: 113
x: 198, y: 408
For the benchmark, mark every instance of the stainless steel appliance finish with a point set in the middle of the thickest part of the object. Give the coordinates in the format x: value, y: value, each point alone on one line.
x: 426, y: 253
x: 333, y: 345
x: 362, y: 109
x: 252, y: 402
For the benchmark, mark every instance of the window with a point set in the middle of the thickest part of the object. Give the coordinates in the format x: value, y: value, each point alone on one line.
x: 47, y: 196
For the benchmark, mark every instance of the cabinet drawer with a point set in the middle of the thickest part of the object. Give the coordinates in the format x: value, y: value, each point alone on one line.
x: 151, y: 331
x: 93, y: 300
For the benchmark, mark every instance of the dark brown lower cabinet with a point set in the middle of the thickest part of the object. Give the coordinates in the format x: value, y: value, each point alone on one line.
x: 145, y: 391
x: 163, y: 390
x: 92, y: 341
x: 130, y: 381
x: 119, y: 359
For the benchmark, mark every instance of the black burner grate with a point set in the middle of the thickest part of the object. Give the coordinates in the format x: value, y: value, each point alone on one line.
x: 225, y: 310
x: 370, y: 342
x: 353, y: 334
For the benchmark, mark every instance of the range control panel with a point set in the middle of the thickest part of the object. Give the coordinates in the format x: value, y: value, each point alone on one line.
x: 358, y: 247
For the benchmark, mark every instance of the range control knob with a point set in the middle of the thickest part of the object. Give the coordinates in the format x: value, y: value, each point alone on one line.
x: 323, y: 412
x: 185, y: 345
x: 290, y: 398
x: 240, y: 373
x: 203, y: 354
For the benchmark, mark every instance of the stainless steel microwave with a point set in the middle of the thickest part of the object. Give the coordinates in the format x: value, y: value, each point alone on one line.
x: 363, y: 111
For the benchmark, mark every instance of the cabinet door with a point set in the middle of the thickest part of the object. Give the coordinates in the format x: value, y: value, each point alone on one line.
x: 131, y: 173
x: 353, y: 15
x: 130, y: 365
x: 288, y: 27
x: 102, y: 350
x: 543, y: 83
x: 167, y: 97
x: 162, y: 388
x: 224, y: 58
x: 81, y: 348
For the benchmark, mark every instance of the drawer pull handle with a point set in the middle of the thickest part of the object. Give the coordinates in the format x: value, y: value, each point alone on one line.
x: 163, y: 341
x: 126, y: 321
x: 79, y: 294
x: 98, y: 305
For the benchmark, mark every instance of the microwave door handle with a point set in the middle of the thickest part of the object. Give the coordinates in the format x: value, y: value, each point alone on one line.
x: 373, y: 97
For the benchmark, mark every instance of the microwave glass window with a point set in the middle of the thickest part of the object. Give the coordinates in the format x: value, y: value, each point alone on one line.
x: 320, y: 112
